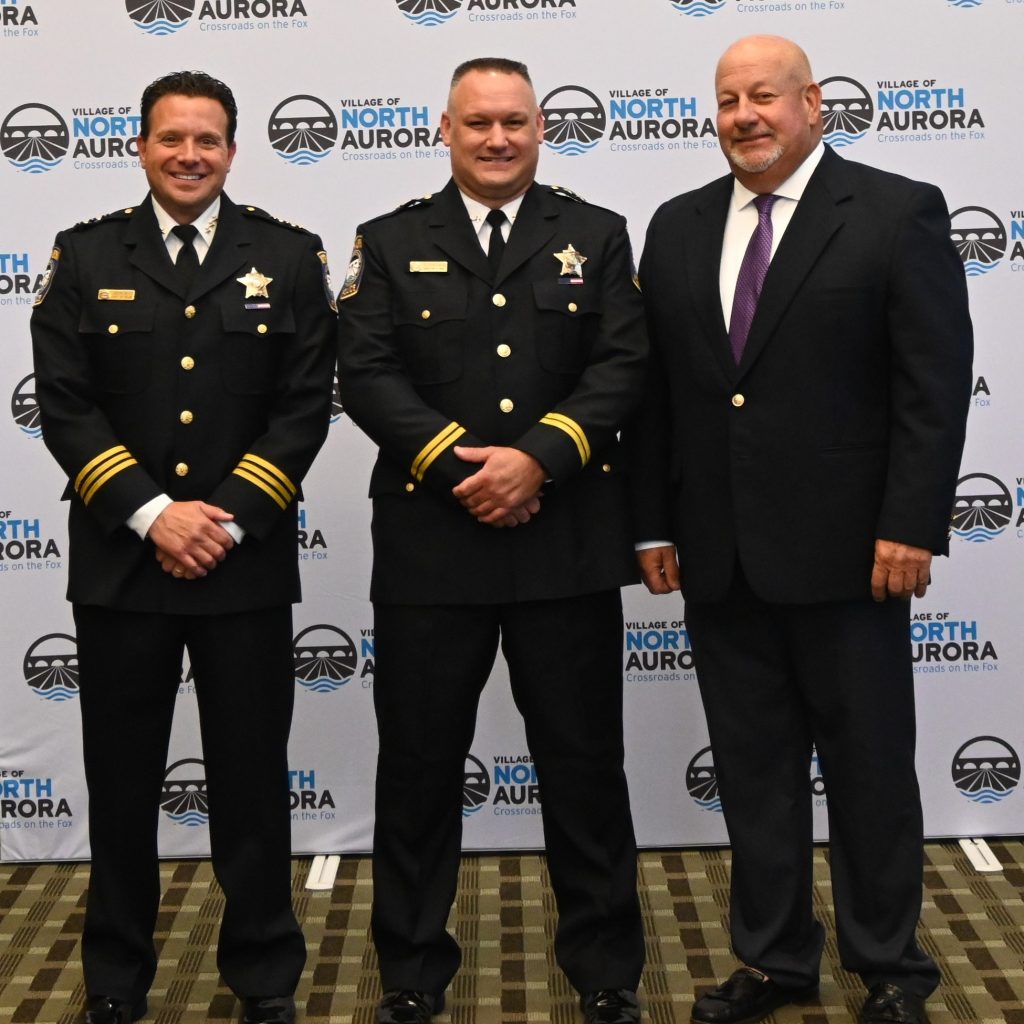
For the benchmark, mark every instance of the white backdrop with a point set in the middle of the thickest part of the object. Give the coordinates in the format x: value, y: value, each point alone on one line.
x: 339, y: 101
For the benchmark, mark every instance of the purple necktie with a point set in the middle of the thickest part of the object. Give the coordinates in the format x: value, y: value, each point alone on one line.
x: 751, y: 276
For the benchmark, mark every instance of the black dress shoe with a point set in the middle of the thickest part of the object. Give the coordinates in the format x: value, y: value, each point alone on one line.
x: 404, y: 1006
x: 610, y: 1006
x: 889, y: 1004
x: 107, y: 1010
x: 746, y: 996
x: 268, y: 1010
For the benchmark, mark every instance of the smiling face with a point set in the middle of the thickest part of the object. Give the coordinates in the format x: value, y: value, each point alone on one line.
x: 186, y: 154
x: 769, y: 110
x: 494, y: 129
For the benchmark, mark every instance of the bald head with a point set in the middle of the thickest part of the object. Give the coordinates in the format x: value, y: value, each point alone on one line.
x: 769, y: 110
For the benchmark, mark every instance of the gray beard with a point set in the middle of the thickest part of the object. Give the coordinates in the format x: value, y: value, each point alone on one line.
x: 755, y: 166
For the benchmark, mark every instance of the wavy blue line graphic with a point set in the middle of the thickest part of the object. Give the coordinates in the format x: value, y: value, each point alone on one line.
x: 467, y: 811
x: 37, y: 165
x: 431, y: 19
x: 715, y: 804
x: 979, y: 534
x: 58, y: 694
x: 572, y: 148
x: 986, y: 796
x: 699, y: 9
x: 840, y: 139
x: 189, y: 818
x: 161, y: 28
x: 966, y: 3
x: 34, y: 432
x: 303, y: 157
x: 975, y: 268
x: 323, y: 685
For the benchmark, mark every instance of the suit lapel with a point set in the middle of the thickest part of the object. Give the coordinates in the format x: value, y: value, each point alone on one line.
x: 452, y: 232
x: 818, y: 216
x: 535, y: 226
x: 702, y: 238
x: 148, y: 250
x: 228, y: 252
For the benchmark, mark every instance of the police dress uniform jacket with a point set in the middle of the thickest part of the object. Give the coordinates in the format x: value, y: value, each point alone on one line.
x: 844, y: 420
x: 436, y: 351
x: 211, y: 395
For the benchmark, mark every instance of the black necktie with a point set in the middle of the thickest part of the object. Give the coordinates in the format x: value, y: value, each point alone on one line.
x: 496, y: 245
x: 187, y: 263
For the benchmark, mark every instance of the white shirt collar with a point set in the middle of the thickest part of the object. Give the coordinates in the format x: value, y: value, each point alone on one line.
x: 478, y: 212
x: 792, y: 188
x: 206, y: 222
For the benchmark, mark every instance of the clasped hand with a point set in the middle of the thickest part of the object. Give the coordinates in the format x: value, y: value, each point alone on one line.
x: 190, y: 542
x: 505, y: 491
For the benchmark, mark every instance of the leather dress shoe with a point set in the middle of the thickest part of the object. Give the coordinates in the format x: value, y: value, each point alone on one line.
x: 268, y: 1010
x: 746, y: 996
x: 404, y: 1006
x: 610, y: 1006
x: 107, y: 1010
x: 889, y: 1004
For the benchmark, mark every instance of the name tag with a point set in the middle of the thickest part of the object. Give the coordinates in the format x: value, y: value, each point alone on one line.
x: 116, y: 294
x: 428, y: 266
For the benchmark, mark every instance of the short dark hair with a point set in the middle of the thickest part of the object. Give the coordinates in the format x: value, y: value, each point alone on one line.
x: 189, y: 83
x: 500, y: 64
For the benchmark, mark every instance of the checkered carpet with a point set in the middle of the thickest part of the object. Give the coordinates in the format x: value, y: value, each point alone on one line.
x: 973, y: 924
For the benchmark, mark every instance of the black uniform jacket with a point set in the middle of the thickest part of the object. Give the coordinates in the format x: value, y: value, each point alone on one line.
x: 844, y: 420
x: 433, y: 354
x: 205, y: 395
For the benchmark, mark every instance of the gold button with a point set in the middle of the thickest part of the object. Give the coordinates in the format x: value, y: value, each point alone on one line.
x: 738, y: 400
x: 181, y: 469
x: 572, y: 307
x: 251, y: 209
x: 129, y: 209
x: 425, y: 315
x: 410, y: 487
x: 185, y: 416
x: 504, y: 351
x: 113, y: 329
x: 499, y: 300
x: 262, y: 329
x: 187, y: 362
x: 606, y: 468
x: 506, y: 405
x: 190, y: 311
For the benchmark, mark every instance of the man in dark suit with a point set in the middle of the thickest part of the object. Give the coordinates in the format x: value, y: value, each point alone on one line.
x: 492, y: 342
x: 183, y: 354
x: 802, y: 460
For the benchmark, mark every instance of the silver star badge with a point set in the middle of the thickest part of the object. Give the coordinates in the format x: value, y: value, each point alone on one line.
x: 571, y: 260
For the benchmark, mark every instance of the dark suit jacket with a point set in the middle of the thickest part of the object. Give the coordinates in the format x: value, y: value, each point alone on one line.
x: 844, y: 421
x: 427, y: 360
x: 116, y: 378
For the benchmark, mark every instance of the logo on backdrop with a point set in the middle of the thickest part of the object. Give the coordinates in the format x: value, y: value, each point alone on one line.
x: 429, y: 13
x: 846, y: 109
x: 15, y: 19
x: 183, y: 796
x: 25, y: 799
x: 325, y: 658
x: 698, y: 8
x: 574, y: 120
x: 312, y: 543
x: 657, y: 652
x: 302, y: 129
x: 25, y: 408
x: 702, y: 781
x: 51, y: 667
x: 307, y: 800
x: 941, y: 643
x: 986, y: 769
x: 160, y: 17
x: 23, y: 546
x: 476, y: 786
x: 34, y: 138
x: 982, y: 508
x: 979, y: 237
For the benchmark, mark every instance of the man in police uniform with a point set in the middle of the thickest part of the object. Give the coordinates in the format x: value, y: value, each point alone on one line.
x: 184, y: 382
x: 492, y: 357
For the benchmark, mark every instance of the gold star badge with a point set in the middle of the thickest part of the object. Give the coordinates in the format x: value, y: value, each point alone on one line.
x: 255, y: 284
x: 571, y: 260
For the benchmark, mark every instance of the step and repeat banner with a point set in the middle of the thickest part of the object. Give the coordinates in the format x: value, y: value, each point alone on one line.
x: 339, y: 102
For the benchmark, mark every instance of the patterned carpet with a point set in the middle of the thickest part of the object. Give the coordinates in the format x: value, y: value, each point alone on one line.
x: 973, y: 924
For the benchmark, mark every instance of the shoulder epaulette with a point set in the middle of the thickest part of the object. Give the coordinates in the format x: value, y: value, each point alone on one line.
x: 566, y: 193
x: 255, y: 211
x: 409, y: 205
x: 123, y: 214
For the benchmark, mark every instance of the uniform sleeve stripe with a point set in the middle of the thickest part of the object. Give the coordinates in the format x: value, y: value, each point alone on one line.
x: 122, y: 462
x: 434, y: 447
x: 268, y: 488
x: 94, y: 463
x: 267, y: 469
x: 573, y: 429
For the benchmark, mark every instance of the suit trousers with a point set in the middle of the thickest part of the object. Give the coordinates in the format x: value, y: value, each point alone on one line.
x: 778, y: 681
x: 564, y: 660
x: 130, y: 668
